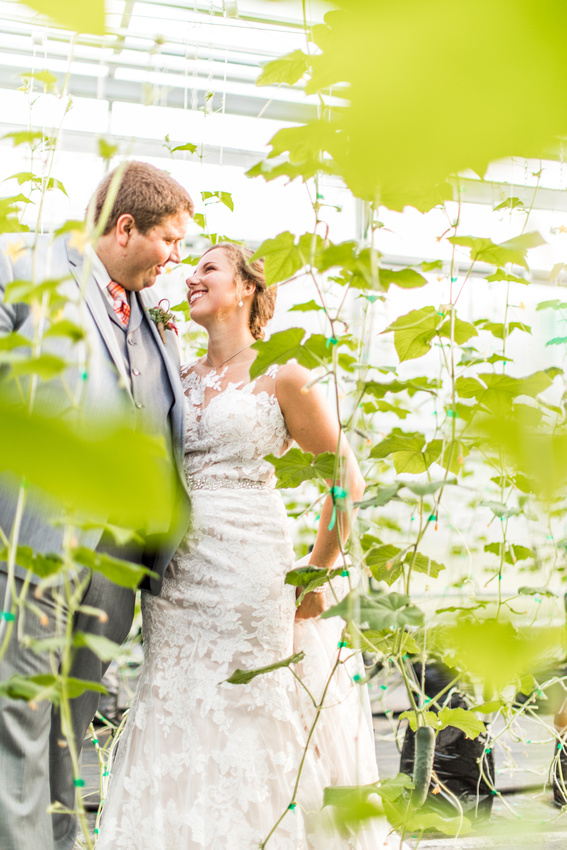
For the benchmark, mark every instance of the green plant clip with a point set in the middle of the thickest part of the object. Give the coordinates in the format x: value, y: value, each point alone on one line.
x: 79, y: 783
x: 332, y: 340
x: 8, y: 616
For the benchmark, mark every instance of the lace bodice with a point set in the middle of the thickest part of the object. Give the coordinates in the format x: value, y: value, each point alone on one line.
x: 231, y: 427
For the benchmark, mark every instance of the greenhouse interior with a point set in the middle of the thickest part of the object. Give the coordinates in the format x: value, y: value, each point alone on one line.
x: 396, y: 173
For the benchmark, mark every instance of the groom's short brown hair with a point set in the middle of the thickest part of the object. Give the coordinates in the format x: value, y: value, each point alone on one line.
x: 147, y: 193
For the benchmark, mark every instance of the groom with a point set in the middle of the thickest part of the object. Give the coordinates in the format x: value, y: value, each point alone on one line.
x: 129, y: 370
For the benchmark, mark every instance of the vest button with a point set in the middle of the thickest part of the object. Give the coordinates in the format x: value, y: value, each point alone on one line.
x: 135, y: 372
x: 139, y: 404
x: 131, y: 341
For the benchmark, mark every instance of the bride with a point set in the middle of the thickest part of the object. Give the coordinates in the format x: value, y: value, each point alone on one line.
x: 204, y: 764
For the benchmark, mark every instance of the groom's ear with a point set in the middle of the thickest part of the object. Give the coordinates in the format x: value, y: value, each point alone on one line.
x: 124, y: 227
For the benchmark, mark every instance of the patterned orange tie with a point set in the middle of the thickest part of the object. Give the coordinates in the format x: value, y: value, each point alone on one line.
x: 121, y: 306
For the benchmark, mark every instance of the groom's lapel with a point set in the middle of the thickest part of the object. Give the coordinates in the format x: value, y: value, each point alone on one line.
x: 147, y: 300
x: 94, y: 300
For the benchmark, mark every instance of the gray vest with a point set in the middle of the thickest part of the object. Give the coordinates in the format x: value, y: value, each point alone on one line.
x: 149, y: 381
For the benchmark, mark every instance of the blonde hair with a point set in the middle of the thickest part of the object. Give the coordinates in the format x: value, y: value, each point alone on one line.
x: 264, y: 298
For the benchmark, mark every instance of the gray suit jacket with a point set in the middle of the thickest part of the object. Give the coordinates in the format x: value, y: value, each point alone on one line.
x: 106, y: 390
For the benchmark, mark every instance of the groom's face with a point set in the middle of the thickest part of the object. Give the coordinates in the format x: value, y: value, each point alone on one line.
x: 145, y: 255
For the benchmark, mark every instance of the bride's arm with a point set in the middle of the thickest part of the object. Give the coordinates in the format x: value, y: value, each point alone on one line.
x: 315, y: 429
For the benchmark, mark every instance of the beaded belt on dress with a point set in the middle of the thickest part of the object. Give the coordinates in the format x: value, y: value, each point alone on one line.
x: 232, y: 483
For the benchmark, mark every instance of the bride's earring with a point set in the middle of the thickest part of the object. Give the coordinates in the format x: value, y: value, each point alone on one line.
x: 241, y: 303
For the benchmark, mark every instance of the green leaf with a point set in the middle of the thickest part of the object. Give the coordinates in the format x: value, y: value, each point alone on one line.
x: 21, y: 137
x: 499, y: 274
x: 46, y: 78
x: 510, y: 204
x: 463, y: 330
x: 46, y: 686
x: 405, y: 279
x: 434, y: 265
x: 64, y: 327
x: 81, y: 18
x: 382, y: 497
x: 41, y: 565
x: 429, y: 487
x: 310, y: 576
x: 514, y: 552
x: 511, y: 251
x: 59, y: 458
x: 414, y: 332
x: 552, y: 305
x: 13, y: 340
x: 101, y: 646
x: 377, y: 612
x: 536, y: 591
x: 26, y: 291
x: 242, y: 677
x: 305, y: 307
x: 557, y: 340
x: 385, y: 564
x: 429, y: 718
x: 287, y: 345
x: 187, y: 147
x: 409, y: 453
x: 123, y: 573
x: 45, y: 366
x: 106, y: 150
x: 461, y: 719
x: 424, y: 564
x: 500, y: 510
x: 282, y: 258
x: 287, y: 69
x: 499, y: 330
x: 296, y: 466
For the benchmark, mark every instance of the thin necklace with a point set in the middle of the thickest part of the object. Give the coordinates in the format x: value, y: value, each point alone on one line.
x: 228, y: 358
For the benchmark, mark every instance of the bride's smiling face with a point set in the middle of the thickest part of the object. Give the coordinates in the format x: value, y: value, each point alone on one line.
x: 212, y: 287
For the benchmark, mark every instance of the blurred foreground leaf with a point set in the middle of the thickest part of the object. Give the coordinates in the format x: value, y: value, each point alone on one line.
x: 378, y: 612
x: 78, y: 469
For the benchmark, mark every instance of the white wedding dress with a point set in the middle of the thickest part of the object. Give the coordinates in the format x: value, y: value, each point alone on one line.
x: 207, y: 765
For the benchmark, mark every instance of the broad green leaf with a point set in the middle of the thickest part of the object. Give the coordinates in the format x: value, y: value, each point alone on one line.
x: 429, y: 487
x: 342, y: 254
x: 21, y: 137
x: 46, y: 686
x: 453, y: 456
x: 552, y: 305
x: 242, y: 677
x: 287, y: 69
x: 41, y: 565
x: 536, y: 591
x: 409, y: 452
x: 287, y: 345
x: 406, y: 278
x: 462, y: 333
x: 282, y: 258
x: 123, y: 573
x: 106, y: 150
x: 432, y: 266
x: 509, y: 204
x: 514, y: 552
x: 121, y: 536
x: 45, y: 366
x: 429, y: 718
x: 499, y: 330
x: 296, y: 466
x: 461, y: 719
x: 65, y: 328
x: 26, y: 291
x: 557, y: 340
x: 377, y: 612
x: 499, y: 274
x: 387, y: 642
x: 382, y: 497
x: 305, y: 307
x: 385, y: 564
x: 310, y: 576
x: 500, y: 510
x: 398, y: 441
x: 424, y: 564
x: 46, y: 78
x: 187, y: 147
x: 102, y: 647
x: 13, y: 340
x: 414, y: 332
x: 60, y: 459
x: 511, y: 251
x: 81, y: 18
x: 498, y: 653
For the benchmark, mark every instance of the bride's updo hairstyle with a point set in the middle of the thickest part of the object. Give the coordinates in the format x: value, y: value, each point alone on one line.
x: 264, y: 298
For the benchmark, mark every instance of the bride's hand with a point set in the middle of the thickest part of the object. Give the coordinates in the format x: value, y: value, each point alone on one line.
x: 312, y: 605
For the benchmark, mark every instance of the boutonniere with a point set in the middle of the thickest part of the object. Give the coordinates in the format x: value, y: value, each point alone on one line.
x: 163, y: 318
